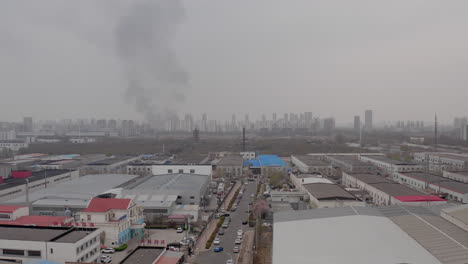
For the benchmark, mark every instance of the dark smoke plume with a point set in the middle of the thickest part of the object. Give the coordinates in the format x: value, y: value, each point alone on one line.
x: 156, y: 81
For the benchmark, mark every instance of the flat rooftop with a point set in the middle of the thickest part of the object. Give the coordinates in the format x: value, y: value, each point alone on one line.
x: 451, y: 156
x: 385, y: 185
x: 392, y: 161
x: 450, y: 184
x: 111, y: 161
x: 311, y: 160
x: 232, y: 160
x: 46, y: 234
x: 85, y: 187
x: 143, y: 255
x: 176, y: 181
x: 350, y: 160
x: 327, y: 191
x: 465, y: 173
x: 36, y: 176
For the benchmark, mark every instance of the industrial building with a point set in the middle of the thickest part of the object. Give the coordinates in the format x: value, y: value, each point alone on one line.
x: 71, y: 196
x: 330, y: 195
x: 442, y: 161
x: 453, y: 190
x: 311, y: 164
x: 160, y: 195
x: 349, y: 164
x: 413, y: 234
x: 111, y: 165
x: 457, y: 215
x: 29, y: 182
x: 13, y: 145
x: 230, y: 166
x: 383, y: 191
x: 20, y: 244
x: 390, y: 166
x: 265, y: 164
x: 461, y: 176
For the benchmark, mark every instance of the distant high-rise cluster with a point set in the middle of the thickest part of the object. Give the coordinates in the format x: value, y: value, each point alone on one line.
x: 368, y: 119
x: 461, y: 127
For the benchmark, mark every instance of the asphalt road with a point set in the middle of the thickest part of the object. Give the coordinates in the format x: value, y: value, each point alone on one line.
x: 230, y: 234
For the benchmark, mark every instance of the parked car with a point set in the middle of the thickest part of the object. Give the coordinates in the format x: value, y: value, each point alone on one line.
x: 221, y: 232
x: 252, y: 196
x: 233, y: 209
x: 240, y: 232
x: 237, y: 242
x: 106, y: 259
x: 236, y: 249
x: 229, y: 261
x: 239, y: 237
x: 108, y: 250
x: 244, y: 222
x: 217, y: 241
x: 180, y: 230
x: 218, y: 249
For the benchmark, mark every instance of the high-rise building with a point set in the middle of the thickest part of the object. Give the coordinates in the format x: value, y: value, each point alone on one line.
x: 460, y: 124
x: 329, y: 123
x: 27, y: 124
x: 286, y: 117
x: 204, y: 123
x: 274, y: 117
x: 357, y: 123
x: 368, y: 119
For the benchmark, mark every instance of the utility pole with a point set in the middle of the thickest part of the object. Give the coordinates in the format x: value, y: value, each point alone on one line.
x: 45, y: 178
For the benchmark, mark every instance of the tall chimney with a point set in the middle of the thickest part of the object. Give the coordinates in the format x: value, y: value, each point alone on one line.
x: 243, y: 139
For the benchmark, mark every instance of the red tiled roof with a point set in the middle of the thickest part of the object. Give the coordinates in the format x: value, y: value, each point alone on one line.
x: 37, y: 220
x: 419, y: 198
x: 101, y: 205
x: 9, y: 208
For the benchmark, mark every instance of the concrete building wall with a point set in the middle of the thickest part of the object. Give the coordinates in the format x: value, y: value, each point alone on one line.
x: 455, y: 176
x: 191, y: 169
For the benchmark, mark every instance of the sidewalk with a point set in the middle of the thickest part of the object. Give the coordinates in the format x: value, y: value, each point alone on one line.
x: 211, y: 226
x: 246, y: 253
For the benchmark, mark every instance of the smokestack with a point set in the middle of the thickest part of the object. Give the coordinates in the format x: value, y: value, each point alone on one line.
x: 243, y: 139
x: 435, y: 133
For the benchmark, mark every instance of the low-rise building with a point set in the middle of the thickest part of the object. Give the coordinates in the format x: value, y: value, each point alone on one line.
x: 290, y: 197
x: 13, y: 145
x: 457, y: 215
x: 299, y: 180
x: 120, y: 219
x: 311, y: 164
x: 461, y: 176
x: 329, y: 195
x: 111, y: 165
x: 453, y: 190
x: 350, y: 164
x: 390, y: 166
x: 442, y: 161
x: 21, y: 244
x: 384, y: 191
x: 230, y: 166
x: 19, y: 215
x: 266, y: 164
x: 248, y: 155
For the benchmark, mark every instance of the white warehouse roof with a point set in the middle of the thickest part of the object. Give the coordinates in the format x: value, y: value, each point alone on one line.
x: 343, y: 236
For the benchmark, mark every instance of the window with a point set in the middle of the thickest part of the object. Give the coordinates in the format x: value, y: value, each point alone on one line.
x: 169, y: 171
x: 89, y: 217
x: 36, y: 253
x: 13, y: 252
x: 4, y: 216
x: 181, y: 171
x: 192, y: 197
x: 192, y: 171
x: 51, y: 251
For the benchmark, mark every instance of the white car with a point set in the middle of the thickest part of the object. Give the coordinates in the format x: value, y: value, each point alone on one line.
x: 239, y: 237
x: 217, y: 241
x: 180, y: 230
x: 106, y: 259
x: 230, y: 261
x: 240, y: 232
x: 237, y: 242
x: 108, y: 250
x: 236, y: 249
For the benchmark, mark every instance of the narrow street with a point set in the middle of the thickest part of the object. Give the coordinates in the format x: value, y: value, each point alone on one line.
x: 230, y: 234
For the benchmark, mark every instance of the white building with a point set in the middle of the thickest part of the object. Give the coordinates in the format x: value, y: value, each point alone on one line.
x: 248, y: 155
x: 311, y: 164
x: 21, y: 244
x: 120, y: 219
x: 454, y: 190
x: 82, y: 140
x: 442, y: 161
x: 188, y: 169
x: 390, y: 166
x: 7, y: 135
x: 461, y: 176
x: 13, y: 145
x: 386, y: 192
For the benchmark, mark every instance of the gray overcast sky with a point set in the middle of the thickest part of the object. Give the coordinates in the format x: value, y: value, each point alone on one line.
x: 403, y: 59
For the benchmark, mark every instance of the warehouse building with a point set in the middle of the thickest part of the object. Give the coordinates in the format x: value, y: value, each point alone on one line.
x: 111, y: 165
x: 383, y: 191
x: 230, y: 166
x: 457, y: 215
x: 461, y: 176
x: 28, y: 181
x: 329, y: 195
x: 265, y: 164
x: 442, y: 161
x: 311, y: 164
x: 350, y: 164
x: 390, y: 166
x: 72, y: 196
x: 21, y: 244
x: 413, y: 234
x: 453, y: 190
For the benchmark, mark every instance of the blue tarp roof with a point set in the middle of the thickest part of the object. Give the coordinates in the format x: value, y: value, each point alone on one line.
x: 264, y: 161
